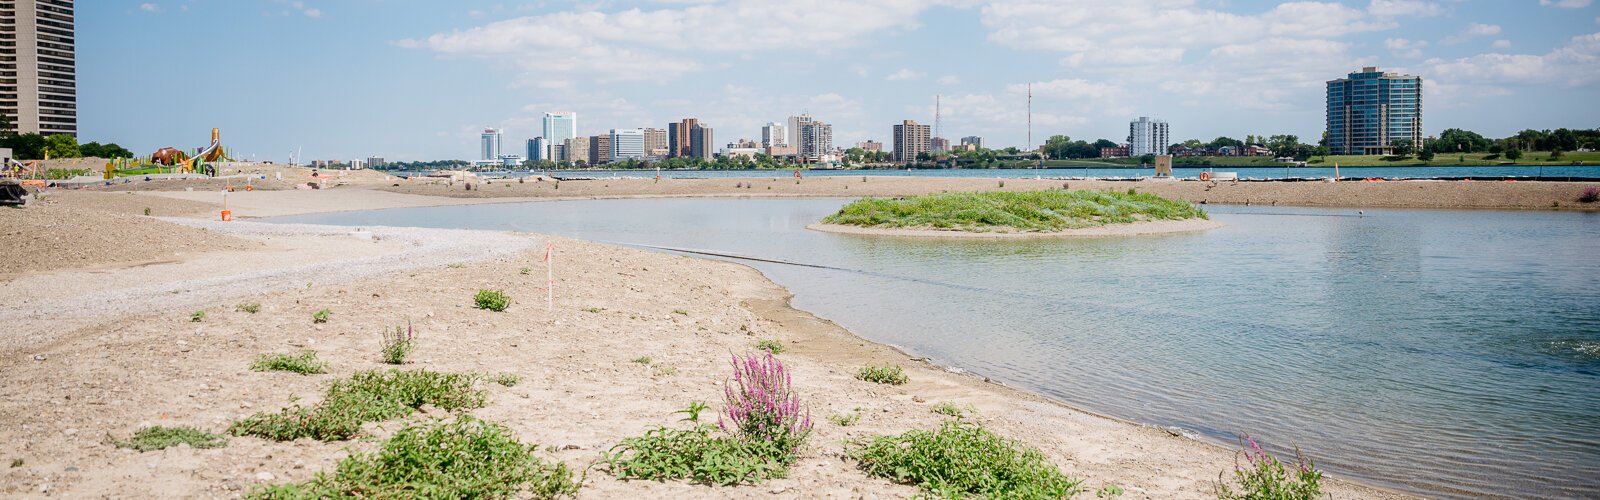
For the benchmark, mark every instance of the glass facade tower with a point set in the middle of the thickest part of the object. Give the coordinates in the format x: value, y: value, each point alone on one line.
x: 1371, y: 109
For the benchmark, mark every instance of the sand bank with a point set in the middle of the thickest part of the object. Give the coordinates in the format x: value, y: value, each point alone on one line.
x: 97, y: 354
x: 1109, y: 230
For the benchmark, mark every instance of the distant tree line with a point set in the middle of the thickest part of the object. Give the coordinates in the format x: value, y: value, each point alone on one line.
x: 35, y: 146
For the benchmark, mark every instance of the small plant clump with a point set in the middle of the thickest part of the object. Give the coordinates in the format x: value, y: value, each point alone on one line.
x: 463, y: 458
x: 526, y: 270
x: 949, y: 409
x: 1590, y: 195
x: 158, y: 437
x: 508, y: 379
x: 147, y: 210
x: 321, y: 316
x: 305, y: 363
x: 771, y: 346
x: 398, y: 345
x: 643, y: 360
x: 197, y: 316
x: 248, y: 307
x: 493, y: 300
x: 368, y: 396
x: 892, y: 375
x: 963, y: 459
x: 1265, y: 477
x: 682, y: 312
x: 760, y: 405
x: 845, y: 419
x: 593, y: 310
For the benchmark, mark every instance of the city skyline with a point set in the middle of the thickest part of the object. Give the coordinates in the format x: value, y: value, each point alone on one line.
x: 319, y: 75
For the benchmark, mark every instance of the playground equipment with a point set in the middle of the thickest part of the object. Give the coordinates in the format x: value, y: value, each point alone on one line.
x: 200, y: 161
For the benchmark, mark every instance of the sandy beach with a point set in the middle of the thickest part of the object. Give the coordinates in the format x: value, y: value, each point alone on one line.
x: 101, y: 341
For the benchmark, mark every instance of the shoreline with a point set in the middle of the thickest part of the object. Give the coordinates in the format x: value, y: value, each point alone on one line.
x: 1146, y: 460
x: 1147, y: 228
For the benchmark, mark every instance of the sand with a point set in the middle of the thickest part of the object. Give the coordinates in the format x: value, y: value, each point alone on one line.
x: 93, y: 353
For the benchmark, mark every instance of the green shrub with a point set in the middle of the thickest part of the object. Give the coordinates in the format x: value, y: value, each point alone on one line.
x: 771, y: 346
x: 845, y: 419
x: 248, y: 307
x: 158, y: 437
x: 321, y: 316
x: 368, y: 396
x: 464, y: 458
x: 891, y: 375
x: 1263, y: 477
x: 305, y: 363
x: 963, y: 459
x: 493, y: 300
x: 694, y: 454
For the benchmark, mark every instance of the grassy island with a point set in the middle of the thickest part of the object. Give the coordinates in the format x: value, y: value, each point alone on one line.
x: 1029, y: 211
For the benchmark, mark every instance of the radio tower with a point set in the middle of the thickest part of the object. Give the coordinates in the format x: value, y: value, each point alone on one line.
x: 1030, y: 115
x: 938, y: 131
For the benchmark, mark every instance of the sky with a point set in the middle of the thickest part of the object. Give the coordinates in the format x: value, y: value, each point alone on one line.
x: 419, y: 80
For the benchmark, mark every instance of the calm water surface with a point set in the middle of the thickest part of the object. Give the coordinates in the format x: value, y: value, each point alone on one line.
x: 1452, y: 353
x: 1551, y: 172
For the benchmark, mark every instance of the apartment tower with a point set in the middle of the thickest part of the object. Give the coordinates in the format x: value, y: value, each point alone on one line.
x: 1148, y: 137
x: 1370, y: 109
x: 38, y: 69
x: 911, y: 138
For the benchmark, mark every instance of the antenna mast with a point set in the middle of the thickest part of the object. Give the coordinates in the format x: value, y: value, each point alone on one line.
x: 1030, y: 114
x: 938, y: 129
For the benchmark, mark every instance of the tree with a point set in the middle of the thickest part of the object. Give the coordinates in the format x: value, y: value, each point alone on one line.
x: 1513, y: 154
x: 1283, y: 145
x: 1104, y: 143
x: 1193, y: 144
x: 1147, y: 159
x: 25, y: 146
x: 61, y: 146
x: 1425, y: 155
x: 1402, y: 147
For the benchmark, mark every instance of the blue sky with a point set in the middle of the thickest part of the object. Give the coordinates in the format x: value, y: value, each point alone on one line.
x: 416, y: 80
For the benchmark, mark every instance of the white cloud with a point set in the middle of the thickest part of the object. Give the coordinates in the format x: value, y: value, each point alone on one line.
x: 1473, y: 30
x: 903, y: 74
x: 1502, y: 44
x: 149, y: 7
x: 1566, y: 4
x: 313, y: 12
x: 1401, y: 47
x: 949, y: 80
x: 1073, y: 88
x: 1576, y: 64
x: 301, y: 7
x: 1397, y: 8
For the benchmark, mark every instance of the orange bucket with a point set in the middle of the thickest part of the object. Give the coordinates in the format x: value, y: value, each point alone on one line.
x: 227, y: 215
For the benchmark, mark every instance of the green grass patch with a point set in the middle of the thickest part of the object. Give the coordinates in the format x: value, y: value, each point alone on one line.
x: 305, y: 363
x: 771, y: 346
x: 695, y: 454
x: 493, y: 300
x: 463, y: 458
x: 1052, y: 210
x: 248, y: 307
x: 368, y: 396
x: 963, y: 459
x: 892, y: 375
x: 158, y: 437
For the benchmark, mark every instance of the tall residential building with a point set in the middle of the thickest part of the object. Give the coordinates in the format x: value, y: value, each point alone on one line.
x: 972, y: 140
x: 375, y: 162
x: 870, y: 145
x: 558, y: 127
x: 678, y: 137
x: 656, y: 143
x: 577, y: 149
x: 38, y: 69
x: 1371, y: 109
x: 940, y: 144
x: 490, y: 145
x: 794, y: 128
x: 816, y: 139
x: 701, y: 143
x: 1148, y: 137
x: 773, y: 135
x: 627, y: 144
x: 910, y: 138
x: 599, y: 150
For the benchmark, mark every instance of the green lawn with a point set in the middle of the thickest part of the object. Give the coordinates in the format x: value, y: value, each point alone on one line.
x: 1051, y: 210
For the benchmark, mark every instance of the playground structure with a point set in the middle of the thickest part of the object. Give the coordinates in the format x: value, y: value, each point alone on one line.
x: 200, y: 162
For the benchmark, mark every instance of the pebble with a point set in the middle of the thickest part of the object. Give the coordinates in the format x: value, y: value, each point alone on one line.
x: 39, y: 357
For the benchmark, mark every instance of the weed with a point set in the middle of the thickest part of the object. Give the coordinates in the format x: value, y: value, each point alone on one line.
x: 950, y: 409
x: 683, y: 312
x: 367, y: 396
x: 643, y: 360
x: 455, y: 265
x: 759, y: 405
x: 463, y: 458
x: 595, y: 310
x: 305, y: 363
x: 493, y: 300
x: 158, y: 437
x: 891, y: 375
x: 526, y: 270
x: 1109, y: 491
x: 321, y: 316
x: 845, y: 419
x: 147, y: 210
x: 692, y: 412
x: 961, y: 459
x: 398, y: 345
x: 694, y: 454
x: 665, y: 371
x: 508, y: 379
x: 197, y: 316
x: 1265, y: 477
x: 1590, y: 195
x: 248, y: 307
x: 16, y: 462
x: 771, y: 346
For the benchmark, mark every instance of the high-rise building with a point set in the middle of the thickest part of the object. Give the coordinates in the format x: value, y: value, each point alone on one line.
x: 558, y: 127
x: 972, y: 140
x: 870, y: 145
x: 1148, y: 137
x: 599, y: 150
x: 38, y: 68
x: 910, y: 138
x: 939, y: 144
x: 1371, y: 109
x: 627, y: 144
x: 678, y: 135
x: 538, y: 149
x: 701, y: 143
x: 816, y: 139
x: 375, y: 162
x: 490, y: 145
x: 794, y: 128
x: 656, y: 143
x: 576, y: 150
x: 773, y: 135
